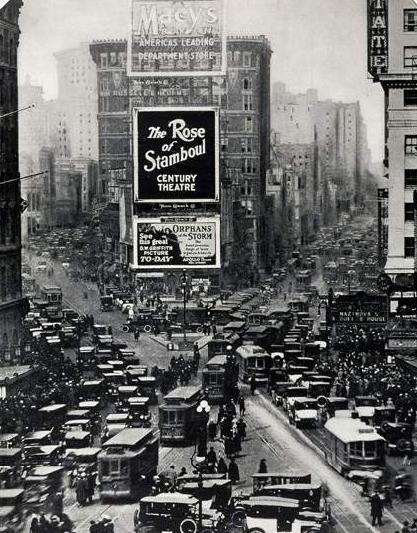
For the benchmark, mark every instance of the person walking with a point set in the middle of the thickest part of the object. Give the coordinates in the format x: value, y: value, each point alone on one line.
x: 377, y: 508
x: 81, y: 489
x: 136, y: 334
x: 233, y: 472
x: 263, y: 469
x: 242, y: 406
x: 252, y: 384
x: 409, y: 454
x: 221, y: 466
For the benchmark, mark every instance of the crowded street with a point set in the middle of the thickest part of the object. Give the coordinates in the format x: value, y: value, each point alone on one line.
x: 208, y: 266
x: 345, y: 367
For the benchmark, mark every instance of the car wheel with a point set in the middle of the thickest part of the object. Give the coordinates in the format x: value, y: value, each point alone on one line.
x: 238, y: 518
x: 188, y: 526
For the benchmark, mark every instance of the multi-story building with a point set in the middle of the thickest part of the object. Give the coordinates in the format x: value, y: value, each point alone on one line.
x: 73, y: 116
x: 246, y: 130
x: 392, y: 54
x: 12, y: 306
x: 67, y: 127
x: 243, y: 98
x: 338, y: 133
x: 33, y: 135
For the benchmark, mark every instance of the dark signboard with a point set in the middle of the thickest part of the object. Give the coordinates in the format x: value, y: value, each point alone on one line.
x: 382, y: 224
x: 360, y: 309
x: 176, y: 157
x: 176, y: 242
x: 377, y: 37
x: 177, y: 38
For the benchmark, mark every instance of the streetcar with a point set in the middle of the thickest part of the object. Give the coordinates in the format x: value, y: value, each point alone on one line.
x: 353, y: 445
x: 53, y: 296
x: 217, y: 376
x: 221, y: 344
x: 254, y: 361
x: 127, y: 463
x: 178, y: 417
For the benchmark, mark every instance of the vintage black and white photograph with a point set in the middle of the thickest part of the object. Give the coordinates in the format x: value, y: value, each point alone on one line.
x: 208, y: 266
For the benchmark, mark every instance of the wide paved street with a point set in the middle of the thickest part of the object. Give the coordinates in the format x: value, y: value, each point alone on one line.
x: 269, y: 436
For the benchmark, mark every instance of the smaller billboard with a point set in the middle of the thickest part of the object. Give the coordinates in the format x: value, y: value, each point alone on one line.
x: 176, y: 242
x: 176, y: 154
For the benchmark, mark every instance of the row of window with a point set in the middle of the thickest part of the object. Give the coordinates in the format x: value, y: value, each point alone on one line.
x: 118, y: 59
x: 8, y: 49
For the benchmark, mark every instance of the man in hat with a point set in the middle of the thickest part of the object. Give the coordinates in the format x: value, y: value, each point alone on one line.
x: 81, y: 489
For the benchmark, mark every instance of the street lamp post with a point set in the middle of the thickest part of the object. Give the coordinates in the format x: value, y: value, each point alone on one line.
x: 203, y: 409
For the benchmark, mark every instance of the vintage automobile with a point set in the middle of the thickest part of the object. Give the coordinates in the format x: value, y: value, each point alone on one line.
x: 165, y: 508
x: 9, y: 440
x: 278, y: 478
x: 115, y: 422
x: 398, y: 436
x: 303, y: 412
x: 78, y: 439
x: 308, y: 494
x: 85, y: 357
x: 291, y: 394
x: 139, y: 413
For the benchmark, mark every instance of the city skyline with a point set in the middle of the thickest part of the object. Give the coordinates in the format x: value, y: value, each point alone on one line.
x: 301, y: 59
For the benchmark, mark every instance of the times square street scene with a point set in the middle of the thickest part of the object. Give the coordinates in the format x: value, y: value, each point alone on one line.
x: 208, y: 266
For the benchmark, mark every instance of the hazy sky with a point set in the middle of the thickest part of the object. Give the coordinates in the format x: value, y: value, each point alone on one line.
x: 316, y: 43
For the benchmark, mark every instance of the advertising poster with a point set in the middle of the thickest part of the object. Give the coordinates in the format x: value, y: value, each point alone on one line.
x: 176, y: 155
x: 180, y: 242
x: 177, y: 38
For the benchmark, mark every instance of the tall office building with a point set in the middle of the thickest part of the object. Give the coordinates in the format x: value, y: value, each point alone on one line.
x: 392, y: 61
x: 11, y: 302
x: 243, y: 98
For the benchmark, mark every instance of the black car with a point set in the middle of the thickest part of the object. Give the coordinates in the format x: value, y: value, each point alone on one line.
x: 398, y: 436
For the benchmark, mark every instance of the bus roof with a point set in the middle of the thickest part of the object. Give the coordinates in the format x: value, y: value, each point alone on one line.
x: 171, y: 497
x: 352, y: 430
x: 129, y: 438
x: 251, y: 350
x: 183, y: 394
x: 217, y: 360
x: 53, y: 408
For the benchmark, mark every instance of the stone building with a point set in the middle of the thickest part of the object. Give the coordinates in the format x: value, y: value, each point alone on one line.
x: 12, y: 306
x: 243, y: 99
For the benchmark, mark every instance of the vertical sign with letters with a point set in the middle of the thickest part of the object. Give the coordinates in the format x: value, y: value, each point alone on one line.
x: 377, y: 37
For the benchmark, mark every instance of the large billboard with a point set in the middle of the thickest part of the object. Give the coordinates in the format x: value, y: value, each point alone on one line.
x: 377, y: 37
x: 176, y: 155
x: 177, y: 38
x: 176, y: 242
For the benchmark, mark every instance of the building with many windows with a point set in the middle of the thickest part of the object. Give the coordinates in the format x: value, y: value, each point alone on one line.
x: 243, y: 98
x: 12, y: 305
x: 392, y: 61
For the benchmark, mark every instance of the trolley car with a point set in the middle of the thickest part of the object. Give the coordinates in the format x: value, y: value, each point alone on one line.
x: 218, y: 376
x: 353, y: 445
x: 253, y: 361
x: 178, y: 417
x: 128, y: 461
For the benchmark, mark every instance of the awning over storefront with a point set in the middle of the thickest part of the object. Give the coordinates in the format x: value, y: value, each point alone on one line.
x: 399, y: 265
